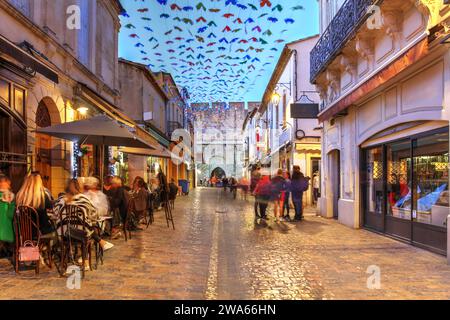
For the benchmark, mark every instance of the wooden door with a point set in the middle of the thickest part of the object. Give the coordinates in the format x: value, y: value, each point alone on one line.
x: 43, y: 158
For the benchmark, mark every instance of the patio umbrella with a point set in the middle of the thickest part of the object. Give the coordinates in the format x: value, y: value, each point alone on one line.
x: 99, y: 130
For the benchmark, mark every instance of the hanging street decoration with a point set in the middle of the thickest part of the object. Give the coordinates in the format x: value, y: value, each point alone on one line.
x: 218, y: 50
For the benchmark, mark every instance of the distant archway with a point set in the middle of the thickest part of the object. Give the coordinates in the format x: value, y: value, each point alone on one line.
x: 218, y: 173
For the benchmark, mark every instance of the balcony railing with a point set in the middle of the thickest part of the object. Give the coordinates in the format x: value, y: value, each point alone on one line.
x: 343, y: 27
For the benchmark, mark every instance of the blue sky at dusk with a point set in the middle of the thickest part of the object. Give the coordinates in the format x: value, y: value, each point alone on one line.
x: 222, y: 50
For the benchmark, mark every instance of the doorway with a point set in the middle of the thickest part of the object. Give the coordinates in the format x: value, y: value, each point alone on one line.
x: 335, y: 180
x: 316, y: 178
x: 43, y: 145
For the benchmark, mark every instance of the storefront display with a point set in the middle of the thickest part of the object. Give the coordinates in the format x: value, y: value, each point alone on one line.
x: 154, y: 165
x: 406, y: 189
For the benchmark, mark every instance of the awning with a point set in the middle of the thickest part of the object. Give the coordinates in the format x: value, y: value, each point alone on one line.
x: 159, y: 152
x: 9, y: 48
x: 148, y: 134
x: 98, y: 130
x: 308, y: 147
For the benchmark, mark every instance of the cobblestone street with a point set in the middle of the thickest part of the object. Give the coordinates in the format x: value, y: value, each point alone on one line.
x: 218, y: 252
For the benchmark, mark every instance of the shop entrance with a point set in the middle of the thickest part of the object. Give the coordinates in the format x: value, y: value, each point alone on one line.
x: 405, y: 189
x: 335, y: 180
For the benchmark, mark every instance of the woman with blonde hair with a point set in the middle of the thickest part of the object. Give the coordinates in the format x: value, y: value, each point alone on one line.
x: 33, y: 194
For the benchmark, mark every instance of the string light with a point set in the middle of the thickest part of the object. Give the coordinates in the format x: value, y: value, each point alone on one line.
x: 76, y: 155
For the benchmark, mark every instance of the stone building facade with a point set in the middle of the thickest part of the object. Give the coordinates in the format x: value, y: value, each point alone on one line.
x: 383, y: 76
x: 62, y: 69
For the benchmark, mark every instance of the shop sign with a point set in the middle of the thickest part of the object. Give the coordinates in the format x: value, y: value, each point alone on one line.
x: 304, y: 110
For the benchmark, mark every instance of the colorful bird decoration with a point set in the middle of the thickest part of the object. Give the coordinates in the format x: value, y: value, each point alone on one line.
x: 214, y: 49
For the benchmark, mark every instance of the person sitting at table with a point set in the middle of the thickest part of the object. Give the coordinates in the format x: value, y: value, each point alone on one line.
x: 7, y: 207
x: 139, y: 194
x: 118, y: 201
x: 33, y: 194
x: 96, y: 196
x: 74, y: 196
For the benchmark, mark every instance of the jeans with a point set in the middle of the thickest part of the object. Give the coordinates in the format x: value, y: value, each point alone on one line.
x: 256, y: 207
x: 298, y: 205
x: 262, y: 202
x: 286, y: 205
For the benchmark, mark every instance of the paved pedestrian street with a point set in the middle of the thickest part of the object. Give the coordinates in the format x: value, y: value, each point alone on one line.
x: 218, y: 252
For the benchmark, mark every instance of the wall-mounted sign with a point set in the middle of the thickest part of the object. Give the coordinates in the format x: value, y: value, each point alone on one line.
x: 304, y: 110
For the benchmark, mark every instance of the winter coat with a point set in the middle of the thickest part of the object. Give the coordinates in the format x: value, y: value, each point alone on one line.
x: 278, y: 186
x: 298, y: 187
x: 263, y: 188
x: 6, y: 220
x: 140, y: 199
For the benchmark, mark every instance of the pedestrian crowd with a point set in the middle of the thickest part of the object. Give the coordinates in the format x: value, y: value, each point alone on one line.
x: 279, y: 191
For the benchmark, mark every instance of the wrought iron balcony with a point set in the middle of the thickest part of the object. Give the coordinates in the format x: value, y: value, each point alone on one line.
x: 342, y: 28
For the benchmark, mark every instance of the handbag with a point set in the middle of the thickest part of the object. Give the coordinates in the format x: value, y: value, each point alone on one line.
x: 29, y: 252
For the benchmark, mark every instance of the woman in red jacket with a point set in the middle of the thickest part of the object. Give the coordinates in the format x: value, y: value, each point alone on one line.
x: 263, y: 192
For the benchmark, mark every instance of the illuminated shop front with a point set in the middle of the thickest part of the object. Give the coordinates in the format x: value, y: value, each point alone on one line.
x: 405, y: 189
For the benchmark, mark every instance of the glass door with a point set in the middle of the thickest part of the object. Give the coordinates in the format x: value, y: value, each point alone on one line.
x: 373, y: 188
x: 430, y: 191
x: 398, y: 189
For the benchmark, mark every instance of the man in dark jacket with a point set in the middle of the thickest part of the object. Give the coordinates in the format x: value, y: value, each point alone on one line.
x: 299, y: 184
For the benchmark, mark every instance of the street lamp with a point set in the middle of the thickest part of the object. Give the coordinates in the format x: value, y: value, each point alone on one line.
x: 80, y: 107
x: 83, y: 110
x: 276, y: 98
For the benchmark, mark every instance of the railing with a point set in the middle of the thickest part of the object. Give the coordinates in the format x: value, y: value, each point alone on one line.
x: 13, y: 158
x: 344, y: 25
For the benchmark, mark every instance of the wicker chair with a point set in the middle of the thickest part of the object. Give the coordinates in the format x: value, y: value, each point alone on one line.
x: 73, y: 218
x: 26, y: 225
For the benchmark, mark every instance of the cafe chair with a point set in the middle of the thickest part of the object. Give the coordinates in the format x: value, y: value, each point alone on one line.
x: 26, y: 227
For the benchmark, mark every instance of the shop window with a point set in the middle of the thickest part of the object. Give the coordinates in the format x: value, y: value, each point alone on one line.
x: 374, y: 180
x: 19, y: 101
x: 431, y: 165
x: 399, y: 180
x: 4, y: 91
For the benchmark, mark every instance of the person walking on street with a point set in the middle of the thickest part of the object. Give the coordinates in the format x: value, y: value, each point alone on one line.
x: 286, y: 195
x: 316, y: 187
x: 225, y: 183
x: 278, y: 187
x: 254, y: 180
x: 299, y: 185
x: 262, y: 194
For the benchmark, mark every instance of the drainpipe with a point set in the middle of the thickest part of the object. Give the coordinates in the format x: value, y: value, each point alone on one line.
x: 295, y: 75
x: 294, y: 127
